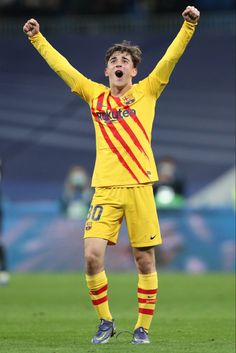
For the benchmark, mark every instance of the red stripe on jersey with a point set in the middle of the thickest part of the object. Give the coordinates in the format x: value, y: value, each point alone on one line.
x: 147, y: 291
x: 114, y: 149
x: 141, y: 126
x: 100, y: 101
x: 127, y: 128
x: 134, y: 116
x: 118, y: 101
x: 100, y: 301
x: 117, y: 135
x: 132, y: 135
x: 146, y: 311
x: 99, y: 291
x: 146, y: 301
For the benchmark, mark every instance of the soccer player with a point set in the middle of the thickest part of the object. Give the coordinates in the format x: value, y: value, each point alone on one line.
x: 125, y: 169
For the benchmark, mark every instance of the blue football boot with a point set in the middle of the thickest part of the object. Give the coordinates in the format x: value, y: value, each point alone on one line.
x: 106, y: 330
x: 140, y: 336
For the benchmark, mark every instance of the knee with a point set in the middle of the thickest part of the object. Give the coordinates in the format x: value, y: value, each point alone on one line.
x: 144, y: 266
x: 145, y: 262
x: 93, y: 262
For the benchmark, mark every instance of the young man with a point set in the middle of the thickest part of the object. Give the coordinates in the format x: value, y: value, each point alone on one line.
x: 125, y: 168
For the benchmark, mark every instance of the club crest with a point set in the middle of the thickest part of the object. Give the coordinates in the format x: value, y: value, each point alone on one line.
x: 127, y: 100
x: 88, y: 225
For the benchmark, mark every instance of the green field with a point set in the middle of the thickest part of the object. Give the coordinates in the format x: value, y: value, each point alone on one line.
x: 51, y: 313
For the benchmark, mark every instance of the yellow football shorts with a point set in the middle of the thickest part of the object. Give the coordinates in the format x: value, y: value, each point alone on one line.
x: 136, y: 204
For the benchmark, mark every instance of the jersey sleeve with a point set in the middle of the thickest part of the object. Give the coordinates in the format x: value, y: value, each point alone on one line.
x: 77, y: 82
x: 159, y: 77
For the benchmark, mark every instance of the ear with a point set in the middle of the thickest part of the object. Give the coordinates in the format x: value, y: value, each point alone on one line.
x: 106, y: 72
x: 134, y: 71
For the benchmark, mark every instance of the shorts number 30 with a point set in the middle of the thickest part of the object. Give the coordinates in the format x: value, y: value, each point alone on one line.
x: 95, y: 212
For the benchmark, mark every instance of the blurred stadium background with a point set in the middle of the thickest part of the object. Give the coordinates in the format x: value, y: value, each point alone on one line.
x: 45, y: 130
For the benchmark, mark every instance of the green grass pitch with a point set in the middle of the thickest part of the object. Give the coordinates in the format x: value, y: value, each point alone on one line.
x: 51, y: 313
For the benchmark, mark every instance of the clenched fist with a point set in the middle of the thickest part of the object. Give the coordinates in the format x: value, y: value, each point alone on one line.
x: 31, y: 27
x: 191, y: 14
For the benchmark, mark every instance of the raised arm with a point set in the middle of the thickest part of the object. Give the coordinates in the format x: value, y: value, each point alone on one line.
x: 72, y: 77
x: 159, y: 77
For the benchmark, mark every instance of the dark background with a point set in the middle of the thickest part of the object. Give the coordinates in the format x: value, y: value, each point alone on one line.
x: 44, y: 129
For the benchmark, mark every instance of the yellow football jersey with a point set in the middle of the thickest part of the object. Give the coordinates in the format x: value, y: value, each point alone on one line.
x: 123, y: 125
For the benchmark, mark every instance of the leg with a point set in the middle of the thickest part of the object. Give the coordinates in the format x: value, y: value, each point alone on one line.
x: 94, y: 253
x: 104, y: 218
x: 145, y: 260
x: 95, y: 249
x: 144, y: 233
x: 147, y: 291
x: 96, y: 277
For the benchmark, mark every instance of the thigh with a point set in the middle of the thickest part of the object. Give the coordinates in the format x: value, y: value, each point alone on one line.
x: 141, y: 217
x: 105, y: 215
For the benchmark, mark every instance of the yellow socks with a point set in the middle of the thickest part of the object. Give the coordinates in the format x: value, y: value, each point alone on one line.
x: 147, y: 293
x: 98, y: 286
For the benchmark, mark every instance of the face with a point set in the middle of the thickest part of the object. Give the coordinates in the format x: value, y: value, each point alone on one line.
x: 120, y: 69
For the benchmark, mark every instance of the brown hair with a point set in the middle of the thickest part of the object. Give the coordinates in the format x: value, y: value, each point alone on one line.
x: 125, y: 46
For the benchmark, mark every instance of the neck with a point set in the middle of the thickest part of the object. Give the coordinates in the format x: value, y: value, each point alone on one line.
x: 119, y: 91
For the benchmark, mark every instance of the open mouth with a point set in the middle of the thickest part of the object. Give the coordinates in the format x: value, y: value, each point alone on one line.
x: 119, y: 73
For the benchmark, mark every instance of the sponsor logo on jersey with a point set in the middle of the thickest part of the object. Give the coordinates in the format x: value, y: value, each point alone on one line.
x: 116, y: 114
